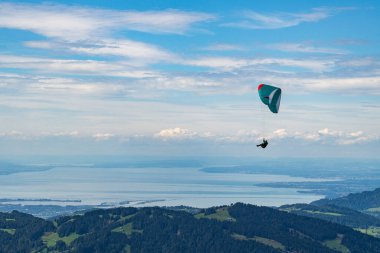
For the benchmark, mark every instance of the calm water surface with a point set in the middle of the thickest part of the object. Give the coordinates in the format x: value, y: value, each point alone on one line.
x: 150, y: 186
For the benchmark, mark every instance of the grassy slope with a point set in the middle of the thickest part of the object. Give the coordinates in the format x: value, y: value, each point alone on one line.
x: 50, y: 239
x: 337, y: 244
x: 265, y: 241
x: 221, y: 214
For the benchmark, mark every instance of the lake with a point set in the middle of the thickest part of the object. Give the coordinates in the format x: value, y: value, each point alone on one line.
x: 149, y: 186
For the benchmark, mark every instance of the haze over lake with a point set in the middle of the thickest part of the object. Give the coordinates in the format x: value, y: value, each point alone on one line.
x: 149, y: 186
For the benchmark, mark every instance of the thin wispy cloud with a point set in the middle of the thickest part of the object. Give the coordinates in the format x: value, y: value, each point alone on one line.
x: 141, y: 53
x: 304, y: 48
x: 223, y: 47
x: 84, y: 67
x: 228, y: 63
x: 278, y: 20
x: 91, y: 31
x: 232, y: 76
x: 348, y: 85
x: 80, y: 23
x: 361, y: 62
x: 125, y: 48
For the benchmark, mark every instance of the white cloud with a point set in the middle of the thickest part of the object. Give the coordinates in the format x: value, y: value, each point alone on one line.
x: 346, y: 83
x: 237, y: 75
x: 255, y: 20
x: 303, y: 48
x: 60, y: 134
x: 198, y: 84
x: 356, y: 134
x: 223, y: 63
x: 251, y: 137
x: 340, y: 137
x: 329, y: 82
x: 140, y: 53
x: 328, y: 132
x: 12, y: 133
x: 353, y: 141
x: 307, y: 136
x: 228, y: 63
x: 325, y: 136
x: 41, y: 44
x: 90, y: 31
x: 242, y: 136
x: 280, y: 133
x: 175, y: 133
x: 102, y: 136
x: 89, y: 67
x: 309, y: 64
x: 168, y: 21
x: 227, y: 76
x: 125, y: 48
x: 223, y: 47
x: 80, y: 23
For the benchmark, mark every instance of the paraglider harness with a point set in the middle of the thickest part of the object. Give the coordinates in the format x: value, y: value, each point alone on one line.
x: 264, y: 144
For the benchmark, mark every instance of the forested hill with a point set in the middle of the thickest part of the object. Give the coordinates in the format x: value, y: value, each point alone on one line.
x: 368, y: 201
x: 336, y: 214
x: 236, y: 228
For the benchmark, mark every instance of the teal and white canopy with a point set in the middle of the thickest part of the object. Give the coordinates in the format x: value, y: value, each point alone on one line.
x: 271, y: 96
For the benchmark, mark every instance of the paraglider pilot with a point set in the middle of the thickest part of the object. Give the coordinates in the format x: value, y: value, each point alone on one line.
x: 264, y: 144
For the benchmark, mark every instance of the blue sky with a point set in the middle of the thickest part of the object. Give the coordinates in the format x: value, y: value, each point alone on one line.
x: 180, y: 77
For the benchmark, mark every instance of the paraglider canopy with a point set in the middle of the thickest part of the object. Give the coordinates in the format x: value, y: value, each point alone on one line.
x: 271, y: 96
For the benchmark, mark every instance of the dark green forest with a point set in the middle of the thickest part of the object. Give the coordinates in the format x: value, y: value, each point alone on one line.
x: 356, y: 201
x: 235, y: 228
x: 336, y: 214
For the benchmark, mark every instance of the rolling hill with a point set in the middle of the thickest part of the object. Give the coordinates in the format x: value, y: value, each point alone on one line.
x: 366, y: 202
x: 235, y: 228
